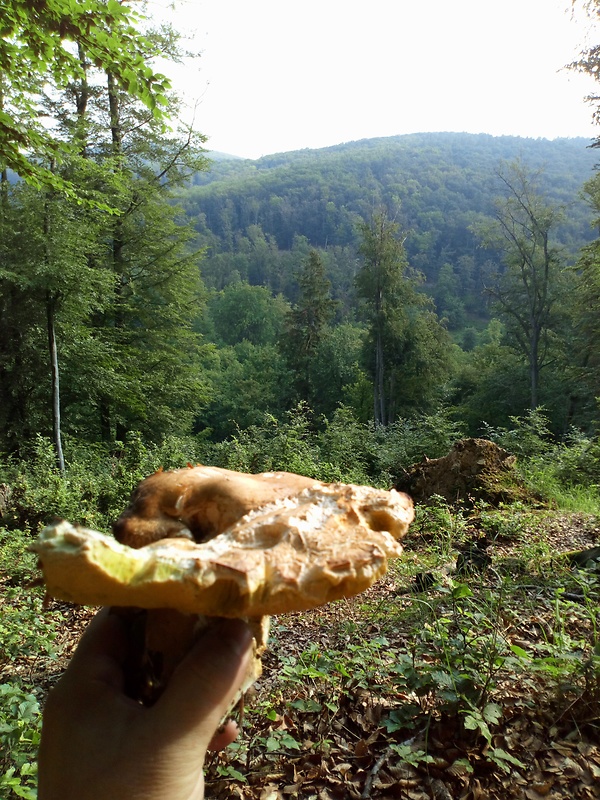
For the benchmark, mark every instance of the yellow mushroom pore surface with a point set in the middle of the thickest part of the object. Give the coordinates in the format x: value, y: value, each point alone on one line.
x: 326, y: 542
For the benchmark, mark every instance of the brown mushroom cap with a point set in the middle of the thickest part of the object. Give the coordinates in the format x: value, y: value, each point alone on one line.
x: 200, y: 502
x: 280, y: 543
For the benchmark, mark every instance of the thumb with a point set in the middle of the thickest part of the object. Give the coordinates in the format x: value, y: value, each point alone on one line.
x: 204, y: 684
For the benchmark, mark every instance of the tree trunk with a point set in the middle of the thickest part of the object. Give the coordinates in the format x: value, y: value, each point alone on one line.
x: 106, y: 409
x: 60, y: 460
x: 4, y: 173
x: 534, y: 366
x: 51, y: 301
x: 379, y: 390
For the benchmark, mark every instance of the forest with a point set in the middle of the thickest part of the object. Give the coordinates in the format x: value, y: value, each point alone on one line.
x: 147, y: 289
x: 261, y: 223
x: 247, y: 287
x: 344, y: 314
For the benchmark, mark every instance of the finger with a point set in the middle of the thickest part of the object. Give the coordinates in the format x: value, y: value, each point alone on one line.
x: 204, y: 684
x: 224, y: 736
x: 100, y: 652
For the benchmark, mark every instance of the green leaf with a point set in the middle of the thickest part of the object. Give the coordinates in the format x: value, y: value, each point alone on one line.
x: 460, y: 590
x: 309, y: 705
x: 498, y: 754
x: 288, y: 741
x: 518, y: 651
x: 492, y: 713
x: 474, y: 723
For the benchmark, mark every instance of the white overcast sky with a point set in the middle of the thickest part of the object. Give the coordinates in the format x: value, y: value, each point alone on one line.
x: 278, y: 75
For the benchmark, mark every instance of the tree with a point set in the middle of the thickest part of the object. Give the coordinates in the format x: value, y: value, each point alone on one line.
x: 38, y: 46
x: 148, y: 328
x: 307, y: 323
x: 587, y: 292
x: 479, y: 387
x: 337, y: 370
x: 586, y: 317
x: 379, y: 283
x: 589, y: 58
x: 447, y: 296
x: 409, y: 349
x: 242, y: 312
x: 526, y: 290
x: 46, y: 246
x: 130, y: 357
x: 247, y: 382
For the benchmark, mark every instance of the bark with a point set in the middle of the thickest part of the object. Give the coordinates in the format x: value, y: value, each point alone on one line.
x: 56, y: 425
x: 82, y: 95
x: 51, y: 304
x: 4, y: 171
x: 106, y: 407
x: 379, y: 393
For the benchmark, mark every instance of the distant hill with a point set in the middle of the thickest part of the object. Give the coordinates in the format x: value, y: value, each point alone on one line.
x: 216, y: 155
x: 436, y: 185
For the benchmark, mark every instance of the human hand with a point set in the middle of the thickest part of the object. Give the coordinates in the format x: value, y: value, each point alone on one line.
x: 98, y: 744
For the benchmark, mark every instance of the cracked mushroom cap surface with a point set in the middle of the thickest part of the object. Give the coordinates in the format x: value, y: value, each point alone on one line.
x: 205, y: 540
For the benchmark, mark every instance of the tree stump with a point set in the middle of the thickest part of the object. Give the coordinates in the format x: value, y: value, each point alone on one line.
x: 475, y: 469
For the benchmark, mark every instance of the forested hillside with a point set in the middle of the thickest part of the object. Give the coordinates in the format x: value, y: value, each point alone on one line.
x: 260, y: 220
x: 436, y: 186
x: 148, y: 291
x: 379, y: 276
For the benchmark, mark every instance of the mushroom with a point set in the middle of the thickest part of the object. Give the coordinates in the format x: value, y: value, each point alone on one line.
x: 206, y: 542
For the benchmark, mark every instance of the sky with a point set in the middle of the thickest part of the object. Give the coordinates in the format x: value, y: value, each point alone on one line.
x: 280, y: 75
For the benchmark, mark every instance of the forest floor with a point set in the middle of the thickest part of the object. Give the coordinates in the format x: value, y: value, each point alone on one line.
x: 492, y: 691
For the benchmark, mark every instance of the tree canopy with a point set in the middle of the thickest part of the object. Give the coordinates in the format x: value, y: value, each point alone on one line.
x: 43, y: 47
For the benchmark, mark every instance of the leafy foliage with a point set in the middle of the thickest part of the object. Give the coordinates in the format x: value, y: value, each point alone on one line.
x: 96, y: 485
x: 20, y: 732
x: 35, y: 48
x: 307, y: 325
x: 116, y: 295
x: 409, y: 349
x: 528, y: 289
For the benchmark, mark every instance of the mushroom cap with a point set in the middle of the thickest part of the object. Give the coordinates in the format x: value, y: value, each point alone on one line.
x: 200, y: 502
x: 290, y: 545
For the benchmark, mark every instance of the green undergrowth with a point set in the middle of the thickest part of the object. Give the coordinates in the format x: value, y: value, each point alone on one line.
x: 443, y: 664
x: 415, y: 662
x: 438, y: 651
x: 565, y: 474
x: 28, y: 636
x: 99, y: 479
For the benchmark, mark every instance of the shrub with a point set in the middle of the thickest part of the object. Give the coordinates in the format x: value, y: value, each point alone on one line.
x: 530, y: 435
x: 96, y: 485
x: 289, y: 446
x: 408, y: 441
x: 20, y: 732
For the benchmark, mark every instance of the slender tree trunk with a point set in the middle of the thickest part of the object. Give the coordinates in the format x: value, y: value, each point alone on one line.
x: 379, y: 393
x: 82, y: 94
x: 106, y: 406
x: 51, y: 302
x: 534, y: 367
x: 4, y: 171
x: 56, y: 429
